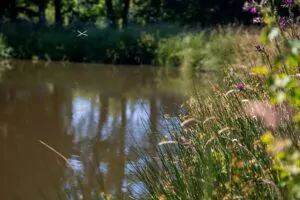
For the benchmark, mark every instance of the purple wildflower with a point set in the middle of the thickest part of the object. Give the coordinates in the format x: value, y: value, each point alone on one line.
x: 287, y: 3
x: 258, y: 48
x: 283, y: 22
x: 240, y: 86
x: 253, y: 9
x: 250, y: 7
x: 246, y: 6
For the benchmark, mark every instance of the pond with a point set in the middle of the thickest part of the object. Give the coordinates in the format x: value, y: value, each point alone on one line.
x: 60, y: 119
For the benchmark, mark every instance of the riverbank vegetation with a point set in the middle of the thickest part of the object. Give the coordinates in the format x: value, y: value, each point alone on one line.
x: 207, y: 34
x: 123, y: 32
x: 163, y: 45
x: 241, y: 141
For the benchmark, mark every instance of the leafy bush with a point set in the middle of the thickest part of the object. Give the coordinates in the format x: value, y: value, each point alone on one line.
x: 133, y: 45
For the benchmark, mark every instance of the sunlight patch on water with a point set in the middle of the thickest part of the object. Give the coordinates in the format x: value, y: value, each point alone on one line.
x: 84, y: 118
x: 103, y: 167
x: 76, y: 164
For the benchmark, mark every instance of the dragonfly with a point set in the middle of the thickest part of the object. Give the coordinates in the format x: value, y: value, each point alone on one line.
x: 84, y: 33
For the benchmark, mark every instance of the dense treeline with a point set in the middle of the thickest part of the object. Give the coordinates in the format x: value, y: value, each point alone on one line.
x: 122, y: 12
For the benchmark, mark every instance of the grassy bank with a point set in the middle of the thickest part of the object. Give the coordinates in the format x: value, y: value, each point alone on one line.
x: 165, y: 45
x: 241, y: 141
x: 217, y: 154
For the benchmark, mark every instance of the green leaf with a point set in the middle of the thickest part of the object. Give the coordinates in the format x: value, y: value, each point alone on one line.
x: 291, y: 62
x: 264, y: 36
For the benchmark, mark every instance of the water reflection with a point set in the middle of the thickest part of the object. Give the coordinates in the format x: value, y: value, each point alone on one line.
x: 93, y: 115
x: 29, y: 114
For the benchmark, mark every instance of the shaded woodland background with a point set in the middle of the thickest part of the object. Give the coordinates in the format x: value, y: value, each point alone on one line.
x: 49, y: 28
x: 124, y: 12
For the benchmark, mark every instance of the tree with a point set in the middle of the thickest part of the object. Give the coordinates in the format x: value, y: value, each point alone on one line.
x: 42, y: 12
x: 3, y: 5
x: 42, y: 5
x: 13, y: 10
x: 58, y: 14
x: 156, y: 10
x: 125, y: 12
x: 110, y: 13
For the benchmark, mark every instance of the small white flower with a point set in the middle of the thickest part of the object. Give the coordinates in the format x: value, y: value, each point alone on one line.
x: 282, y: 82
x: 281, y: 96
x: 273, y: 34
x: 231, y: 71
x: 295, y: 50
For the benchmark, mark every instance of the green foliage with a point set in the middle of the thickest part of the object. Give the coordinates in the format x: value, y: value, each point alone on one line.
x: 69, y: 16
x: 163, y: 44
x: 85, y: 11
x: 283, y: 86
x: 179, y: 49
x: 133, y: 46
x: 138, y: 12
x: 197, y: 50
x: 189, y: 12
x: 5, y: 51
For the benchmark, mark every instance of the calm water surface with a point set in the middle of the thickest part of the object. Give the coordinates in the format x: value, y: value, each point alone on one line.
x: 92, y: 115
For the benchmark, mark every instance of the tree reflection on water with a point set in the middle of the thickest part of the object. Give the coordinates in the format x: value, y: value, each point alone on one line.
x: 94, y: 116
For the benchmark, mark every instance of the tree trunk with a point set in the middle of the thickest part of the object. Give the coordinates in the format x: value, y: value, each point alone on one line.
x: 1, y: 12
x: 58, y: 15
x: 42, y: 13
x: 156, y: 6
x: 110, y: 13
x: 3, y: 5
x: 13, y: 10
x: 125, y: 12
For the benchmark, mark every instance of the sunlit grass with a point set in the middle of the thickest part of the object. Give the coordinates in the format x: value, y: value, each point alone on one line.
x: 217, y: 154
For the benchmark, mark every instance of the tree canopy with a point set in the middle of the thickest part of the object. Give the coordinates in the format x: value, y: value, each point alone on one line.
x: 122, y: 12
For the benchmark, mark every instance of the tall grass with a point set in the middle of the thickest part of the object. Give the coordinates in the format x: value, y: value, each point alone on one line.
x: 217, y: 154
x: 196, y: 50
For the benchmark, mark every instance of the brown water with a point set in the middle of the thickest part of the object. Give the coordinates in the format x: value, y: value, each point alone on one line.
x: 92, y: 115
